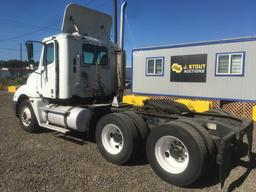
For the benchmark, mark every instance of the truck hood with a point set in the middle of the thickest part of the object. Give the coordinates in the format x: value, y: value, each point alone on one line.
x: 89, y: 22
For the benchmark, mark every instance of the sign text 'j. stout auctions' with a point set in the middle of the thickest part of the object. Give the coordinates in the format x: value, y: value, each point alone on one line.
x: 189, y: 68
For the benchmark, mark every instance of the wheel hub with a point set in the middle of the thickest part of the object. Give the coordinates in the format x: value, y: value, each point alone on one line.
x: 177, y: 151
x: 26, y: 116
x: 117, y: 137
x: 112, y: 139
x: 171, y: 154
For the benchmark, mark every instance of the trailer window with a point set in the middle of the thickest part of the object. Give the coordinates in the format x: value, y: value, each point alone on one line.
x: 93, y: 55
x: 155, y: 66
x: 230, y: 64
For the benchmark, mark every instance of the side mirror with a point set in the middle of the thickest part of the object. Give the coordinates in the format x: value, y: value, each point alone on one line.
x: 30, y: 50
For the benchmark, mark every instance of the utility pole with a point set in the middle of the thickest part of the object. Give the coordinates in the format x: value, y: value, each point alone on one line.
x: 21, y: 52
x: 115, y: 21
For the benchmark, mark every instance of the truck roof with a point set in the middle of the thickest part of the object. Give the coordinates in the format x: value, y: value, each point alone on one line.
x: 77, y: 36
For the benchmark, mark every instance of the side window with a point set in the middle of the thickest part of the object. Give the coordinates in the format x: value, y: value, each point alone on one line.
x: 102, y: 58
x: 93, y: 55
x: 49, y: 53
x: 229, y: 64
x: 155, y: 66
x: 89, y: 54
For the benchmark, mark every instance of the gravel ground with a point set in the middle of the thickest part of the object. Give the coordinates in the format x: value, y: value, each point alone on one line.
x: 48, y: 161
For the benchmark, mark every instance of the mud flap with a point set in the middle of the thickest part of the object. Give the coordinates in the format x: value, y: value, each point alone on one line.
x: 225, y: 150
x: 224, y: 156
x: 249, y: 135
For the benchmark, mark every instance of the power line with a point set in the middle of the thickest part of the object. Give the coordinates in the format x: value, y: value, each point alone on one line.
x: 102, y: 4
x: 11, y: 26
x: 130, y: 31
x: 29, y: 33
x: 9, y: 49
x: 45, y: 27
x: 89, y: 2
x: 21, y: 24
x: 14, y: 50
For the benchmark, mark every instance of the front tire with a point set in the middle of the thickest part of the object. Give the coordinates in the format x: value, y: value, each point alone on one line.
x: 27, y: 117
x: 176, y: 153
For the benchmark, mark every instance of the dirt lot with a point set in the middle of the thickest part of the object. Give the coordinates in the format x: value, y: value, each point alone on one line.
x: 49, y: 161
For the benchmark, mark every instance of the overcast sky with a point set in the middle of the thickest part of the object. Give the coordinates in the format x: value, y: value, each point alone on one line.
x: 149, y: 23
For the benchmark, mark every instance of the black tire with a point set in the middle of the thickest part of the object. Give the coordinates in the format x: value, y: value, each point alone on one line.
x: 130, y: 138
x: 167, y: 106
x: 194, y: 144
x: 219, y: 112
x: 210, y: 146
x: 142, y: 129
x: 28, y: 124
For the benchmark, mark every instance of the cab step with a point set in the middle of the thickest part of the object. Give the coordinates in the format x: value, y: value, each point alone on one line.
x: 55, y: 128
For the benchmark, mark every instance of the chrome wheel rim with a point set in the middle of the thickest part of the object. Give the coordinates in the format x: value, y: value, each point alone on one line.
x: 171, y: 154
x: 26, y: 116
x: 112, y: 139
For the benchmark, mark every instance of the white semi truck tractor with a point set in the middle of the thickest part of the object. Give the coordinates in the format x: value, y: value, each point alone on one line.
x: 79, y: 85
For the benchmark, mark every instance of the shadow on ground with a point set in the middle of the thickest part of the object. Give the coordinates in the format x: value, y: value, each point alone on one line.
x: 238, y: 159
x: 76, y: 137
x: 249, y: 165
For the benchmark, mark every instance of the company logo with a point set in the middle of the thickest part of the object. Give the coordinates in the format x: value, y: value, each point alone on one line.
x: 188, y: 68
x: 176, y: 68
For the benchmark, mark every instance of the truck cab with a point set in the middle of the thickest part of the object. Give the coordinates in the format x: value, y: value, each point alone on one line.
x: 75, y: 65
x: 78, y: 62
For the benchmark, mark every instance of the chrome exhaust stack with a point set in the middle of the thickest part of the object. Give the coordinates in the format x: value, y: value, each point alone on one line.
x: 121, y: 57
x: 121, y: 40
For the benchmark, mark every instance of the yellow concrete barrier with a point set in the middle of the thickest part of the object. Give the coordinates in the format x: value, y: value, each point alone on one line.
x: 198, y: 106
x: 12, y: 89
x: 186, y: 102
x: 202, y: 106
x: 134, y: 100
x: 254, y: 113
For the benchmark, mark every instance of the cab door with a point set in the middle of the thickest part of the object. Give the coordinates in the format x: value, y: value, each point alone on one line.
x: 48, y: 74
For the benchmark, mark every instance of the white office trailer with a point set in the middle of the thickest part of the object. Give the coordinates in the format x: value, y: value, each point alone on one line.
x: 222, y: 70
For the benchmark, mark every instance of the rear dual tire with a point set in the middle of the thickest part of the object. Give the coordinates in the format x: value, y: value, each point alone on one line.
x: 121, y: 137
x: 142, y: 129
x: 177, y: 153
